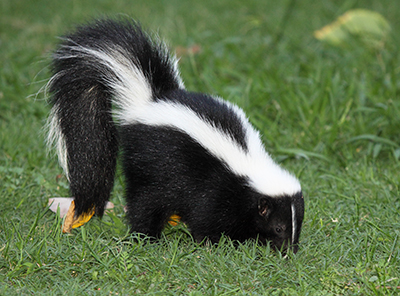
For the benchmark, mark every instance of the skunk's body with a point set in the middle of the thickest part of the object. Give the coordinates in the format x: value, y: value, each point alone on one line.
x: 183, y: 153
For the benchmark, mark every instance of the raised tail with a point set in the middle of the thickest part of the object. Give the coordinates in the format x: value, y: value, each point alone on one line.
x: 106, y: 63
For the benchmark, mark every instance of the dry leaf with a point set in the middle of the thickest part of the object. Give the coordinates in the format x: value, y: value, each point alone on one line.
x: 369, y: 27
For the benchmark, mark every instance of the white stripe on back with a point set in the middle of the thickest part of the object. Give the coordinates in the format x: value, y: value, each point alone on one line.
x: 264, y: 174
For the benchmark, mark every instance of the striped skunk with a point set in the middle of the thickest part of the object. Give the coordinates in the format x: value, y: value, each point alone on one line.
x: 185, y: 153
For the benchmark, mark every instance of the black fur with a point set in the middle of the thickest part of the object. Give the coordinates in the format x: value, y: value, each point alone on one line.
x: 166, y: 171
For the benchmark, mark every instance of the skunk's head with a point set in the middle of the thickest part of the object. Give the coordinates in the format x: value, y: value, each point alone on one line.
x: 281, y: 219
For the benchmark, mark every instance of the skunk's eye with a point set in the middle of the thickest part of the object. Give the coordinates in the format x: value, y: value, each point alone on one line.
x: 278, y: 229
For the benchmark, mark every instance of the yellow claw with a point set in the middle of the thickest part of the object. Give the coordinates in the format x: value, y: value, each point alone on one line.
x: 73, y: 222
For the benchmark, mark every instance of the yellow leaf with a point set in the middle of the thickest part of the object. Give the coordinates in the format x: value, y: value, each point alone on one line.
x: 174, y: 220
x: 369, y: 27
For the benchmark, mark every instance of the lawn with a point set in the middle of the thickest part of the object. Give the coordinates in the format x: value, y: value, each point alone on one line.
x: 329, y: 114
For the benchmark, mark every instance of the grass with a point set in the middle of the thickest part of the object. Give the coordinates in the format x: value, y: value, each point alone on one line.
x: 330, y: 115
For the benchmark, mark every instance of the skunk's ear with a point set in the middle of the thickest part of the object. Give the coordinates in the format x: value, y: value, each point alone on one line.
x: 264, y: 207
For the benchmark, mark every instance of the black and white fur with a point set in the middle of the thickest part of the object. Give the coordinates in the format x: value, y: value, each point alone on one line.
x: 183, y: 153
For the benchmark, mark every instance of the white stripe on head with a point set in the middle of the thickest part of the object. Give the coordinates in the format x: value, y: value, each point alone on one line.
x: 294, y: 222
x: 263, y: 173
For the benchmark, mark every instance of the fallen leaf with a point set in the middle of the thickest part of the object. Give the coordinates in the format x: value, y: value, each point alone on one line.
x: 369, y: 27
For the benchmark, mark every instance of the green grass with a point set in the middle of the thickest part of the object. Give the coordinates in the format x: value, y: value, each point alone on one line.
x: 330, y: 115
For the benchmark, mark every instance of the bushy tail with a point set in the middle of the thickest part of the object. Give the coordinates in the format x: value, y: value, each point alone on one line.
x: 101, y: 64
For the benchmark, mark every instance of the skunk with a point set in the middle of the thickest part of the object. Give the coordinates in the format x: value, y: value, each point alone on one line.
x: 185, y: 153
